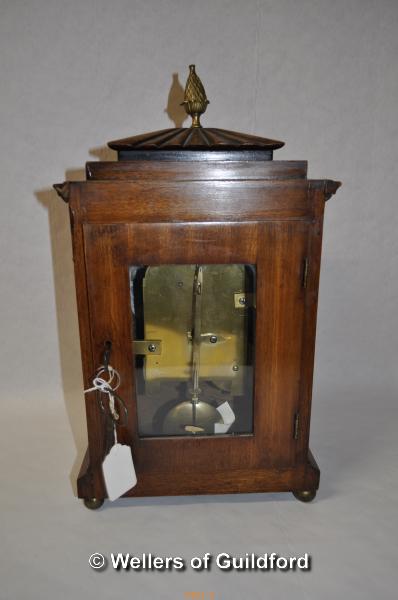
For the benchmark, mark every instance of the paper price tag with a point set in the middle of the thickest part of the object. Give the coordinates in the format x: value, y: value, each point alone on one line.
x: 119, y: 472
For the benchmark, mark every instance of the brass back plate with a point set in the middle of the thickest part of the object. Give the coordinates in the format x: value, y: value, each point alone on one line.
x: 168, y: 302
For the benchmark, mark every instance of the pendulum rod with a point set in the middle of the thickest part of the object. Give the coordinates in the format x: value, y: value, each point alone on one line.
x: 196, y: 336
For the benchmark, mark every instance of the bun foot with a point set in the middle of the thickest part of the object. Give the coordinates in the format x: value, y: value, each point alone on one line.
x: 93, y: 503
x: 305, y: 496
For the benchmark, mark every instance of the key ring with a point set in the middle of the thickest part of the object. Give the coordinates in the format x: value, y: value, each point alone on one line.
x: 115, y: 415
x: 109, y: 387
x: 103, y: 384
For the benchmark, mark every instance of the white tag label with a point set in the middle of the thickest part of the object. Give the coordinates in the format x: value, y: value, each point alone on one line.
x: 228, y: 416
x: 119, y: 472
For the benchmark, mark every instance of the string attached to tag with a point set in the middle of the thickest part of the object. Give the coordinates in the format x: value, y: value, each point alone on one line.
x: 109, y: 387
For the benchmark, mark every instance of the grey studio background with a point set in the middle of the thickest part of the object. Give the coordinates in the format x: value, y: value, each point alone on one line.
x: 321, y: 75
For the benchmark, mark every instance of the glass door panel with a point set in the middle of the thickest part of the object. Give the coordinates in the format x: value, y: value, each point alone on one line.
x: 193, y: 344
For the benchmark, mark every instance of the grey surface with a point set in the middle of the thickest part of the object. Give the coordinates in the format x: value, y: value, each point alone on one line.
x: 323, y: 77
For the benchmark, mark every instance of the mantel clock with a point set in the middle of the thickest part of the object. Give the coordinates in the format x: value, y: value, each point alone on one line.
x: 197, y: 263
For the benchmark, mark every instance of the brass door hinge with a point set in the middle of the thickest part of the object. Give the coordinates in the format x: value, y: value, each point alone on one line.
x: 296, y: 426
x: 305, y: 272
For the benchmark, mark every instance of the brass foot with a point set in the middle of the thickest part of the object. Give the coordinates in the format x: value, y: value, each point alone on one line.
x: 93, y: 503
x: 305, y: 495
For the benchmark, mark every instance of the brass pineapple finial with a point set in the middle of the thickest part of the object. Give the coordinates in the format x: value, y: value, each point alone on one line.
x: 195, y: 100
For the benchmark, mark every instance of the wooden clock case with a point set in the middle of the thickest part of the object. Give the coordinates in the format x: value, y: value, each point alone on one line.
x: 187, y: 196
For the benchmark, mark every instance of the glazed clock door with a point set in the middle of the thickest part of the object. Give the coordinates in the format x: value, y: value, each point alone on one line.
x: 206, y: 324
